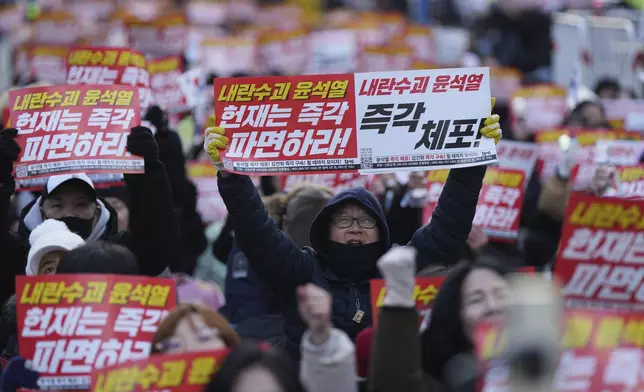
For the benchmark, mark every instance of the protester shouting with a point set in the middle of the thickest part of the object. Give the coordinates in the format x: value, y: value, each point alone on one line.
x: 153, y: 235
x: 347, y: 237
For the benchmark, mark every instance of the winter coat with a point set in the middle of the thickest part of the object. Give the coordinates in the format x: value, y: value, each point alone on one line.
x: 403, y: 221
x: 250, y: 304
x: 330, y: 366
x: 284, y: 266
x: 153, y: 236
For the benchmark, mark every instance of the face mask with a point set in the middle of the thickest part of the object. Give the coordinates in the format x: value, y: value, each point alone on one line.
x: 80, y: 226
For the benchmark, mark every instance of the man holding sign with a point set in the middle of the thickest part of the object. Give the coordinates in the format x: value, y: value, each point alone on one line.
x: 58, y: 141
x: 348, y: 236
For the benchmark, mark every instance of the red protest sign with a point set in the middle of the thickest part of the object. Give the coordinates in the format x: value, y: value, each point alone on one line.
x: 425, y: 292
x: 498, y: 210
x: 42, y: 62
x: 162, y: 36
x: 110, y: 66
x: 74, y: 129
x: 258, y: 110
x: 601, y: 351
x: 164, y: 80
x: 600, y: 253
x: 184, y: 372
x: 70, y: 325
x: 550, y: 153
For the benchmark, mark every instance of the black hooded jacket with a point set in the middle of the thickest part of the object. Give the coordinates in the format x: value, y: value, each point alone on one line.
x: 284, y: 266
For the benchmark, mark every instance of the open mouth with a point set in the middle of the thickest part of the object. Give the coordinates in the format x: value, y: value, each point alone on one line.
x: 354, y: 242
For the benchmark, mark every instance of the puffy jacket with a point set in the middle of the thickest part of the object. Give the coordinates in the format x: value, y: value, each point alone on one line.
x: 284, y: 266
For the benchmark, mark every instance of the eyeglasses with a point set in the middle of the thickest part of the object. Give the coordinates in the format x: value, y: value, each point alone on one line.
x: 344, y: 222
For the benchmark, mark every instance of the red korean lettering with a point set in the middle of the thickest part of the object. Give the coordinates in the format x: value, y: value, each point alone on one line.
x: 441, y: 84
x: 386, y: 86
x: 420, y: 85
x: 474, y: 82
x: 458, y: 83
x: 371, y: 88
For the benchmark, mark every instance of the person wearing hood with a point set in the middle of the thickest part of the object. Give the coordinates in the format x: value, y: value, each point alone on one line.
x: 71, y: 198
x: 49, y: 242
x: 347, y: 237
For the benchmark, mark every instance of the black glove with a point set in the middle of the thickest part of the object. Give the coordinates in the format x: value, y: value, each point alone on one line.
x: 140, y: 142
x: 9, y: 152
x: 18, y: 374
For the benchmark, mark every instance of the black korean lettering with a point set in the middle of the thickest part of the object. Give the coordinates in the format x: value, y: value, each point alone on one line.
x: 434, y: 135
x: 377, y: 117
x: 462, y: 129
x: 401, y: 120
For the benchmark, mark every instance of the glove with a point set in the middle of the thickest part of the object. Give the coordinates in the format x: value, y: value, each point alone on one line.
x: 492, y: 128
x: 140, y: 142
x: 216, y: 141
x: 18, y: 374
x: 568, y: 157
x: 9, y: 152
x: 398, y: 267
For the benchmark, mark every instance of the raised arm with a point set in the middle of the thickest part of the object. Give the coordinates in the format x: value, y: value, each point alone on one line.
x: 445, y: 237
x: 273, y: 254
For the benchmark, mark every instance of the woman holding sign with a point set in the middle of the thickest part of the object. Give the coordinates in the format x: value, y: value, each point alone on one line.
x: 347, y: 237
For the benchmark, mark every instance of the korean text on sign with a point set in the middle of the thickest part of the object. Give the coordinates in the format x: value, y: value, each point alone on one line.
x: 71, y: 325
x: 185, y: 372
x: 500, y: 202
x: 373, y: 122
x: 425, y: 292
x: 110, y: 66
x: 601, y: 253
x: 164, y: 81
x: 601, y: 351
x: 72, y: 129
x: 294, y: 124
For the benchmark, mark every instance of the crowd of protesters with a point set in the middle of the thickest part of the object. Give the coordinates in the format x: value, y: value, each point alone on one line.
x: 295, y: 308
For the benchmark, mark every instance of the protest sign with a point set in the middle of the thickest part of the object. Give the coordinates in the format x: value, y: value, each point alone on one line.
x: 337, y: 182
x: 210, y: 205
x: 74, y: 129
x: 227, y: 56
x: 618, y: 111
x: 505, y: 82
x: 629, y: 179
x: 498, y: 210
x: 70, y: 325
x: 585, y: 140
x: 600, y: 260
x: 601, y: 351
x: 341, y: 57
x: 425, y: 291
x: 517, y: 155
x: 56, y: 27
x: 536, y: 108
x: 284, y: 51
x: 162, y: 36
x: 43, y: 62
x: 164, y: 81
x: 182, y: 372
x: 396, y: 56
x: 110, y: 66
x: 421, y: 39
x: 191, y: 84
x: 371, y: 123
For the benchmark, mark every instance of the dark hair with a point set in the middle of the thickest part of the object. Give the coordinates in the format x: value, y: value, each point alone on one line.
x: 607, y: 83
x: 575, y: 118
x: 248, y: 355
x: 445, y: 337
x: 99, y: 257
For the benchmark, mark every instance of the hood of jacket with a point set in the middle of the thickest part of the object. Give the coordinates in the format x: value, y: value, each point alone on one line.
x: 319, y: 234
x: 106, y: 226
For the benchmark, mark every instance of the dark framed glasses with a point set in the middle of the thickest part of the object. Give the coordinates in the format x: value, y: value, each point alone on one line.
x: 344, y: 222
